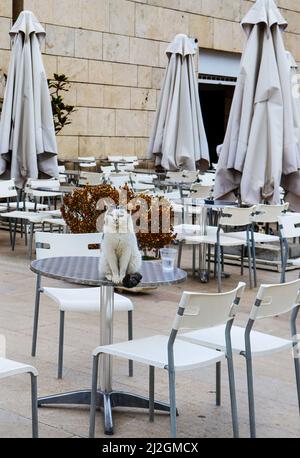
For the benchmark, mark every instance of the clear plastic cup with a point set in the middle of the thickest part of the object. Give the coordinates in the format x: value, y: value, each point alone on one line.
x: 168, y: 258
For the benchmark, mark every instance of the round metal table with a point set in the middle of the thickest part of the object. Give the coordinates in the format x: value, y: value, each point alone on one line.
x: 84, y: 271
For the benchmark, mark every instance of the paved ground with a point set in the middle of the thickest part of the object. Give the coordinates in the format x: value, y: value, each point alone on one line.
x: 276, y: 401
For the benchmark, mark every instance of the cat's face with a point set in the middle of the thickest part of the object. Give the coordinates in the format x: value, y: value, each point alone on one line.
x: 117, y: 221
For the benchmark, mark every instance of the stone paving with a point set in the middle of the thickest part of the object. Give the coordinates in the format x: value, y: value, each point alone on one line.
x: 276, y: 400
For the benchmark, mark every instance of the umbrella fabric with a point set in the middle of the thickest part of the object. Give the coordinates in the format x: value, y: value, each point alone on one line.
x: 260, y: 143
x: 291, y: 183
x: 179, y: 139
x: 27, y: 135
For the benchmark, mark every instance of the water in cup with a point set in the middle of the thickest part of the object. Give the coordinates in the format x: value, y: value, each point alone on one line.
x: 168, y: 258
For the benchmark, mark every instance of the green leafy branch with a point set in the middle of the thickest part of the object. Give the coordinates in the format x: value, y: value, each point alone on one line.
x: 61, y: 112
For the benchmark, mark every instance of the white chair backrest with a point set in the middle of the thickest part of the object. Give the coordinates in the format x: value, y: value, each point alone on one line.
x: 289, y: 225
x: 176, y: 176
x: 274, y: 300
x: 137, y: 178
x: 207, y: 179
x: 189, y: 177
x: 7, y: 189
x: 115, y: 158
x: 108, y: 168
x: 269, y: 213
x: 93, y: 179
x: 126, y: 167
x: 134, y: 159
x: 61, y: 169
x: 118, y: 181
x: 202, y: 310
x: 43, y: 184
x: 87, y: 159
x: 233, y: 216
x: 51, y: 245
x: 200, y: 192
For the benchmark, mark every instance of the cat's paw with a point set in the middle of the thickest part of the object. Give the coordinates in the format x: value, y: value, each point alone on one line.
x: 116, y: 279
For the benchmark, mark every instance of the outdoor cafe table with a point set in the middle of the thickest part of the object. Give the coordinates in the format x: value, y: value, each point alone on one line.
x: 84, y: 271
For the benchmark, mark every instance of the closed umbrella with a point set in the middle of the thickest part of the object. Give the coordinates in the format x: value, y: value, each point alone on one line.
x: 291, y: 183
x: 179, y: 140
x: 27, y: 136
x: 260, y: 145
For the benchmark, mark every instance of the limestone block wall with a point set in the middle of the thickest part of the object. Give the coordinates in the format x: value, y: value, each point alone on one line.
x: 114, y: 53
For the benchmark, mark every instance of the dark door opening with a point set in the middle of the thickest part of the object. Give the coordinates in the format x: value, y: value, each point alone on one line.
x: 216, y: 103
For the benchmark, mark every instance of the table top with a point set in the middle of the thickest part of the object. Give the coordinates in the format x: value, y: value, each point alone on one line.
x: 219, y: 204
x: 61, y: 190
x: 85, y: 271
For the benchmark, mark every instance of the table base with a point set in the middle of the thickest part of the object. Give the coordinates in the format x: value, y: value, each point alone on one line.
x: 107, y: 401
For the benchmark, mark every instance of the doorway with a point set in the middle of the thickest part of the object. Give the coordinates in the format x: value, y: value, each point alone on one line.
x: 216, y: 101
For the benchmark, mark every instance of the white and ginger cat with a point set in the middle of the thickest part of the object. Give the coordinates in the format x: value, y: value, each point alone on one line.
x: 120, y: 257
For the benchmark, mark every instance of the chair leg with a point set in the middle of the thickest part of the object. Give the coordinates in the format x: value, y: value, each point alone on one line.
x: 34, y: 407
x: 172, y: 396
x: 242, y: 260
x: 219, y: 269
x: 36, y: 315
x: 31, y: 241
x: 61, y: 345
x: 254, y: 259
x: 94, y: 397
x: 180, y: 254
x: 218, y: 384
x: 130, y: 337
x: 151, y: 393
x: 234, y: 411
x: 14, y: 236
x: 250, y: 264
x: 194, y: 260
x: 297, y: 372
x: 251, y: 396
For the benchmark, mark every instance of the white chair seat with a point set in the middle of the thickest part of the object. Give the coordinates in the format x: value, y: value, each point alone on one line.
x: 294, y: 262
x: 84, y: 300
x: 55, y: 221
x: 153, y: 352
x: 261, y: 344
x: 9, y: 368
x: 258, y: 237
x: 211, y: 239
x: 29, y: 216
x: 28, y: 206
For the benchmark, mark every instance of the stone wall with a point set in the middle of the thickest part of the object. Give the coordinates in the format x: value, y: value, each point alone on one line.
x: 114, y: 53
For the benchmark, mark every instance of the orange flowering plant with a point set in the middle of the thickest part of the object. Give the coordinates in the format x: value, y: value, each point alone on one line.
x: 153, y: 217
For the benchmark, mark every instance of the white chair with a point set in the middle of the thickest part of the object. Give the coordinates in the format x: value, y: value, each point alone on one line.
x: 10, y: 368
x: 289, y: 226
x: 119, y: 180
x: 107, y: 169
x: 72, y: 300
x: 196, y: 311
x: 231, y: 217
x: 264, y: 214
x: 8, y: 191
x: 186, y: 234
x: 199, y: 191
x: 271, y: 301
x: 87, y: 162
x: 207, y: 179
x: 90, y: 178
x: 40, y: 190
x: 62, y: 175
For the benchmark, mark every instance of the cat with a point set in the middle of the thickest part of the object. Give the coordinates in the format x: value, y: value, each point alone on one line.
x: 120, y: 259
